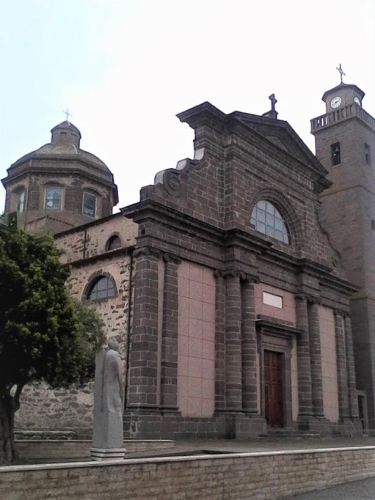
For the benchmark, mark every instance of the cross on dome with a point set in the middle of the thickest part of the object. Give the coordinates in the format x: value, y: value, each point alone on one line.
x: 67, y: 114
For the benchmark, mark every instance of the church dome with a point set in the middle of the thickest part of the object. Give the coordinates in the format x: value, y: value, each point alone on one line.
x: 65, y: 144
x: 59, y: 184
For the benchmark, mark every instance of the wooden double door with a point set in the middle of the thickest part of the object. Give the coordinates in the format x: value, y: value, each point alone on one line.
x: 274, y: 388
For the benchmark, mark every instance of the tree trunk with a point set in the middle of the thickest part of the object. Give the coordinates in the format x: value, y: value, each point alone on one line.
x: 8, y: 406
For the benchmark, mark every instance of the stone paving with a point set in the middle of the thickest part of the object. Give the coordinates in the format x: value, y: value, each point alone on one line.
x: 356, y: 490
x: 269, y: 443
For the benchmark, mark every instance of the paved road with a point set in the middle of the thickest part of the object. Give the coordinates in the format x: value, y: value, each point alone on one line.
x: 356, y: 490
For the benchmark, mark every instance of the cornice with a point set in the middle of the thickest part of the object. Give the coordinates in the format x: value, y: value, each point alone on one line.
x: 280, y: 329
x: 83, y: 227
x: 154, y: 211
x: 101, y: 256
x: 27, y: 170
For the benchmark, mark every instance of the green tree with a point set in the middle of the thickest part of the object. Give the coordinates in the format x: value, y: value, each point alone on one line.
x: 45, y: 336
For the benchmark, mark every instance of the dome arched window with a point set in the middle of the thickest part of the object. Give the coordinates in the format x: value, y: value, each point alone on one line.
x: 266, y: 219
x: 113, y: 243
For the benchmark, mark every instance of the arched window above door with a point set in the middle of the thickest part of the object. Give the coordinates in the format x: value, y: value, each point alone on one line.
x: 267, y: 219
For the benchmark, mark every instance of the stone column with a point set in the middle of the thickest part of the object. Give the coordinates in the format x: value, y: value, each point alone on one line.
x: 249, y: 349
x: 169, y: 349
x: 342, y: 374
x: 316, y: 360
x: 233, y: 362
x: 143, y: 372
x: 303, y: 359
x: 220, y: 342
x: 352, y: 392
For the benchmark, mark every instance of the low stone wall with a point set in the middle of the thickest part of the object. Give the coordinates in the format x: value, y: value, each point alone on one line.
x: 78, y: 449
x: 255, y: 476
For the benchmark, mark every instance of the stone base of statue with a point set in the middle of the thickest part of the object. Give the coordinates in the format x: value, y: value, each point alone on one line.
x: 108, y: 435
x: 107, y: 454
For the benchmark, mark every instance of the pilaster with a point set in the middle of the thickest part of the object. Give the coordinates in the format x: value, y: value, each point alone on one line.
x: 143, y: 371
x: 249, y: 348
x: 220, y: 342
x: 316, y: 359
x: 169, y: 348
x: 352, y: 392
x: 342, y: 374
x: 303, y: 359
x: 233, y: 341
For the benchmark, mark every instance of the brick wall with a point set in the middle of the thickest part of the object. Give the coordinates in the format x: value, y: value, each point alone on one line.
x: 255, y: 476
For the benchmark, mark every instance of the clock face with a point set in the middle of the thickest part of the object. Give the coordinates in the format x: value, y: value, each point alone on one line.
x: 336, y: 101
x: 357, y: 101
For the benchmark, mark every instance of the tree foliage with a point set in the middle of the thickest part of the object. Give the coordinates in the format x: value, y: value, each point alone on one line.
x: 45, y: 336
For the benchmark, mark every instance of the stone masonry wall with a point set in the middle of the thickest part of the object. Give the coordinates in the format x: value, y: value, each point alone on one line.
x: 255, y: 476
x: 90, y: 240
x: 42, y: 408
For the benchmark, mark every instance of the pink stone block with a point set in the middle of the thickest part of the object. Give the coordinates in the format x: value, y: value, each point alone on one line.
x: 208, y: 277
x: 195, y: 367
x: 208, y: 388
x: 182, y: 386
x: 194, y: 407
x: 183, y: 366
x: 208, y: 294
x: 258, y: 305
x: 209, y: 312
x: 195, y: 309
x: 195, y: 328
x: 183, y: 307
x: 184, y: 269
x: 183, y: 345
x: 183, y: 287
x: 183, y: 406
x: 194, y: 387
x: 208, y: 331
x: 290, y: 314
x: 183, y: 325
x: 196, y: 272
x: 207, y: 408
x: 195, y: 347
x: 207, y: 369
x: 208, y: 349
x: 196, y: 290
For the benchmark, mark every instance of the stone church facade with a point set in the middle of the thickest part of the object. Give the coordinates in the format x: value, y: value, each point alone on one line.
x: 231, y: 306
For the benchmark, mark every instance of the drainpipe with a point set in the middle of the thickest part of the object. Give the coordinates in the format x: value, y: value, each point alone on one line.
x: 84, y: 243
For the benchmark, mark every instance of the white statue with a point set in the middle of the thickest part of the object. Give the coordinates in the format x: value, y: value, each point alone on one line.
x: 108, y: 435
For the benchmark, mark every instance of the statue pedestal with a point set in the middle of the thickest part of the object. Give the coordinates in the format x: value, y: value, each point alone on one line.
x: 107, y: 454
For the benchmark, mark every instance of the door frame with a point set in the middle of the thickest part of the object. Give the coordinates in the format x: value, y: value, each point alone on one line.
x: 281, y: 356
x: 364, y: 421
x: 281, y: 339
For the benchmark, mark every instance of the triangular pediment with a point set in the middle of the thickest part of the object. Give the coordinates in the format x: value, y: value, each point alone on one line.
x: 282, y: 135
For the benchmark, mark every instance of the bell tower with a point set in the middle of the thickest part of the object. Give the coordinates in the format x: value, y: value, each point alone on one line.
x: 345, y: 143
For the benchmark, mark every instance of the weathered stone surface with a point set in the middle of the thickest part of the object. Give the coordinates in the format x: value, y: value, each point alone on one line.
x: 108, y: 399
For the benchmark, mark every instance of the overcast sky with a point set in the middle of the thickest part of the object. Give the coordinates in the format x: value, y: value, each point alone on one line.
x: 125, y: 68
